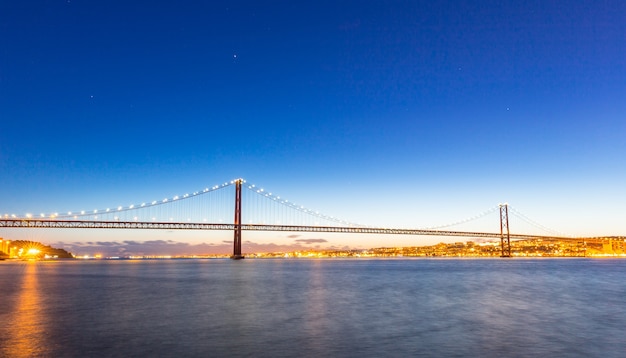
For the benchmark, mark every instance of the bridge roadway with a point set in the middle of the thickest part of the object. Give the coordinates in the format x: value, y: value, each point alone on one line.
x: 84, y: 224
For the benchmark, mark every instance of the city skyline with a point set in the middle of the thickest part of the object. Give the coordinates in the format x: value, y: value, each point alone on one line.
x: 395, y: 114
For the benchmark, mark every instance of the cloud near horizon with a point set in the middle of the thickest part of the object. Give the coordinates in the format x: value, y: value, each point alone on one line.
x: 311, y: 241
x: 169, y: 247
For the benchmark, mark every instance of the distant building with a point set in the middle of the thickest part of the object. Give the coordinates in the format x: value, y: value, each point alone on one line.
x: 4, y: 246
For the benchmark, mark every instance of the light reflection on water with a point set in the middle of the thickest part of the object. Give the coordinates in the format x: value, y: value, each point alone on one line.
x: 25, y: 328
x: 274, y: 308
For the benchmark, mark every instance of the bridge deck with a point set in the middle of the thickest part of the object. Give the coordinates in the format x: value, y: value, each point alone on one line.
x: 83, y: 224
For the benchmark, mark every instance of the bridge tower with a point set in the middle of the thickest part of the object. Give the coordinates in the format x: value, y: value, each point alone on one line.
x: 237, y: 240
x: 505, y: 239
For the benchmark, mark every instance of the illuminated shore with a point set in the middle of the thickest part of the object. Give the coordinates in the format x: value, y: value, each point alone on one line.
x: 527, y: 248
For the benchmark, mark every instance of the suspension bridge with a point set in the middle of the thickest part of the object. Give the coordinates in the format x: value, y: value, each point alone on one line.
x: 254, y: 209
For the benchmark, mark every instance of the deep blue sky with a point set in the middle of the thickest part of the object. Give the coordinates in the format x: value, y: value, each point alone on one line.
x: 405, y: 113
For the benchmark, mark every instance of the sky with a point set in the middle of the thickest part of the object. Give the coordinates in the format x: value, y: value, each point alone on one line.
x: 388, y: 113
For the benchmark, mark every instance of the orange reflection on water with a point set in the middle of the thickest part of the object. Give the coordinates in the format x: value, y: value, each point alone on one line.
x: 317, y: 312
x: 26, y: 331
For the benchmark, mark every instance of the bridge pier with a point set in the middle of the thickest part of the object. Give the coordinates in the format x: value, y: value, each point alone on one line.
x: 237, y: 239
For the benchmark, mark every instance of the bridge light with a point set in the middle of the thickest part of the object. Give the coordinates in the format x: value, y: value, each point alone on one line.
x: 165, y: 200
x: 42, y: 215
x: 29, y: 215
x: 119, y: 208
x: 82, y: 212
x: 143, y: 204
x: 175, y: 198
x: 69, y: 213
x: 154, y: 202
x: 95, y: 211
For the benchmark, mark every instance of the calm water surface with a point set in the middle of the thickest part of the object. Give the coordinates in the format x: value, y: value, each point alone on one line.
x: 313, y: 308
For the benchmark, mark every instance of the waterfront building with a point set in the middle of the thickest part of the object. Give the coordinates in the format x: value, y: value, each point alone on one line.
x: 4, y: 246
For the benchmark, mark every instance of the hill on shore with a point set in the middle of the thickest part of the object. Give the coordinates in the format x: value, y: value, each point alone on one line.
x: 37, y: 250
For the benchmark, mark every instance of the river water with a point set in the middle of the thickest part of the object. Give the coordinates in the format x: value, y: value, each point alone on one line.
x: 314, y: 308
